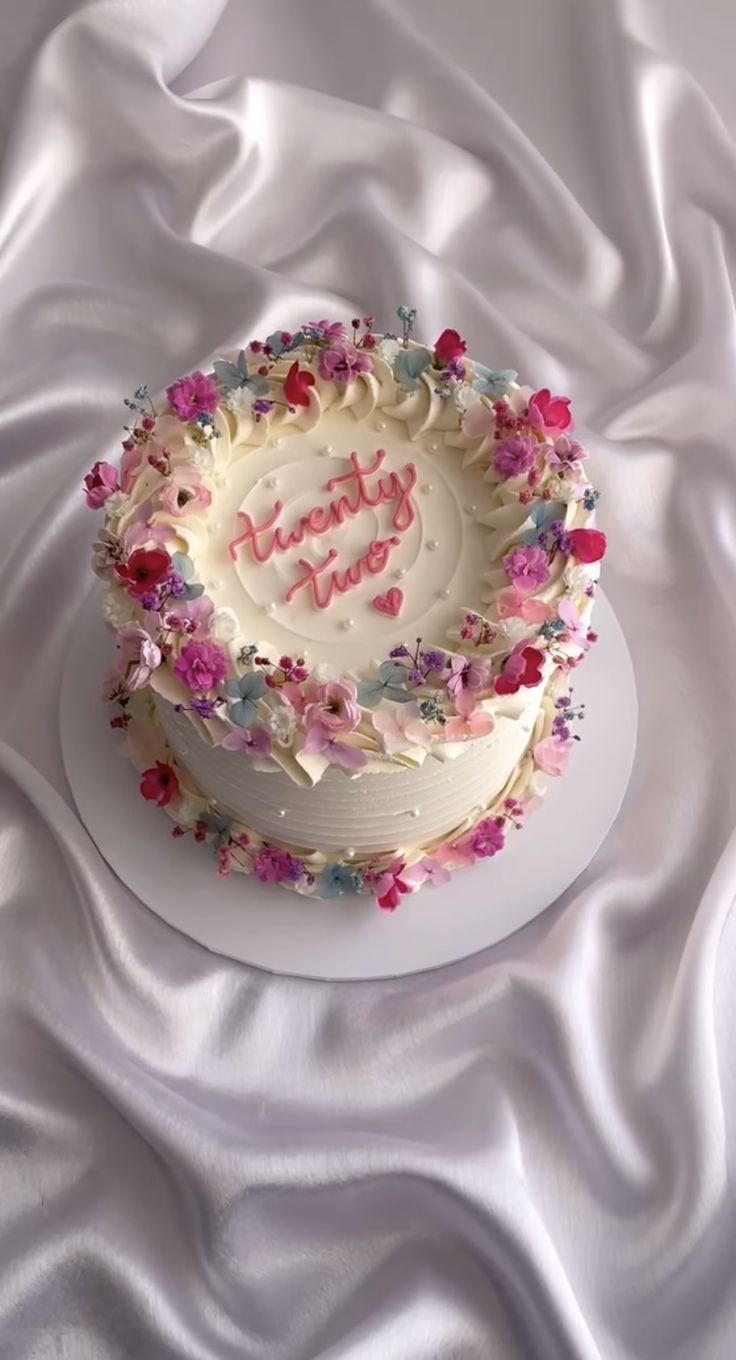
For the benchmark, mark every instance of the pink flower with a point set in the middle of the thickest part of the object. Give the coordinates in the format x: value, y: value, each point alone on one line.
x: 299, y: 696
x: 449, y: 345
x: 479, y: 421
x: 468, y: 678
x: 191, y: 395
x: 426, y: 871
x: 159, y: 784
x: 552, y: 755
x: 390, y: 886
x: 527, y: 568
x: 487, y: 838
x: 272, y: 865
x: 514, y: 455
x: 401, y: 729
x: 140, y: 534
x: 575, y: 630
x: 189, y: 616
x: 564, y: 452
x: 100, y: 484
x: 334, y: 330
x: 478, y: 724
x: 131, y: 463
x: 335, y: 707
x: 253, y: 741
x: 342, y: 362
x: 139, y: 655
x: 224, y: 861
x: 320, y: 741
x: 183, y: 493
x: 522, y: 669
x: 201, y: 666
x: 513, y: 604
x: 549, y: 414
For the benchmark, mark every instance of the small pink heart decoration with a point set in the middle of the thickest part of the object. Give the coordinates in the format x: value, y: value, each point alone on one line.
x: 390, y: 603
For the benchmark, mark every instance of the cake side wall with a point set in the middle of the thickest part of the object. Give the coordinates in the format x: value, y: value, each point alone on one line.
x: 383, y: 810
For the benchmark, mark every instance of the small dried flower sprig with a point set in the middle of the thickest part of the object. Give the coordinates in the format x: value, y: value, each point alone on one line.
x: 567, y: 713
x: 477, y: 631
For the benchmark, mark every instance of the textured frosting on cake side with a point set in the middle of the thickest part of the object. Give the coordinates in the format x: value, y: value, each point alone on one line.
x: 351, y: 576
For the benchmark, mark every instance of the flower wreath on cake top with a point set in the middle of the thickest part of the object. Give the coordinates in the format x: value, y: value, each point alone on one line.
x: 177, y: 643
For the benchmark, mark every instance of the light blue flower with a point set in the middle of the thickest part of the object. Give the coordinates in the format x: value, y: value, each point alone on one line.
x: 184, y: 567
x: 277, y: 346
x: 232, y: 376
x: 542, y: 514
x: 336, y: 879
x: 409, y: 366
x: 391, y: 676
x: 243, y: 696
x: 218, y: 826
x: 493, y: 382
x: 408, y: 315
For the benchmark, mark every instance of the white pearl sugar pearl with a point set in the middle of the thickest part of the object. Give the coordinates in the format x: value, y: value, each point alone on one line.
x: 444, y: 593
x: 272, y: 481
x: 281, y: 812
x: 428, y: 488
x: 414, y: 812
x: 350, y: 852
x: 279, y: 439
x: 326, y: 450
x: 215, y: 585
x: 471, y: 509
x: 214, y: 528
x: 433, y: 544
x: 381, y: 425
x: 400, y: 573
x: 433, y: 448
x: 347, y: 624
x: 270, y: 608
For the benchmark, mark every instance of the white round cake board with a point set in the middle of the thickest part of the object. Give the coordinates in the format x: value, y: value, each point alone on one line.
x: 349, y: 937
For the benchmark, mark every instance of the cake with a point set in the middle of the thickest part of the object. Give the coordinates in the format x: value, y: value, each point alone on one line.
x: 349, y: 576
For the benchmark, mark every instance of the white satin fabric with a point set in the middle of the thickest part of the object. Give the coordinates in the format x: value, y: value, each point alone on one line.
x: 525, y: 1156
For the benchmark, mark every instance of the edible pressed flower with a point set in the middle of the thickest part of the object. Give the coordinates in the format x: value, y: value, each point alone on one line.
x: 253, y: 741
x: 587, y: 545
x: 527, y: 568
x: 341, y: 362
x: 297, y: 384
x: 522, y: 669
x: 159, y: 784
x: 389, y: 887
x: 553, y: 753
x: 467, y: 679
x: 549, y: 414
x: 514, y: 455
x: 448, y: 346
x: 272, y: 865
x: 145, y: 569
x: 321, y: 741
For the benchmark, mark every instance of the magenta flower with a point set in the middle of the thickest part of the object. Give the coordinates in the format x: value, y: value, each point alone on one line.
x: 183, y: 493
x: 100, y: 484
x: 201, y: 666
x: 527, y: 568
x: 549, y: 414
x: 487, y: 838
x: 191, y: 395
x: 390, y: 886
x: 320, y: 741
x: 272, y: 865
x: 254, y: 741
x: 189, y: 616
x: 335, y: 707
x: 468, y: 678
x: 342, y: 362
x: 139, y: 655
x: 333, y: 330
x: 224, y: 861
x: 514, y: 455
x: 159, y: 784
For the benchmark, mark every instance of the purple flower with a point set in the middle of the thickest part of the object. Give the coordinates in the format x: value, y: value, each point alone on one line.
x: 320, y: 741
x: 139, y: 655
x: 204, y: 708
x: 333, y: 330
x: 342, y: 362
x: 272, y: 865
x: 514, y: 455
x: 465, y: 683
x: 261, y: 407
x: 191, y: 395
x: 433, y: 660
x: 454, y: 370
x: 176, y: 585
x: 401, y: 650
x: 487, y: 838
x: 527, y: 568
x: 150, y: 600
x: 201, y: 666
x: 254, y: 741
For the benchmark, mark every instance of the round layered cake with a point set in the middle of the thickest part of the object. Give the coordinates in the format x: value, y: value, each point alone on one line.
x: 349, y: 575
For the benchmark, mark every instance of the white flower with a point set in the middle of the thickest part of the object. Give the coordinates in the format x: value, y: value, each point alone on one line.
x: 281, y: 723
x: 562, y: 490
x: 239, y: 401
x: 388, y: 349
x: 577, y: 578
x: 513, y: 629
x: 538, y: 784
x: 203, y: 461
x: 118, y: 609
x: 224, y: 624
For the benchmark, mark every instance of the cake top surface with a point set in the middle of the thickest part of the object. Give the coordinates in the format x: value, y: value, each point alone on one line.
x: 342, y: 547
